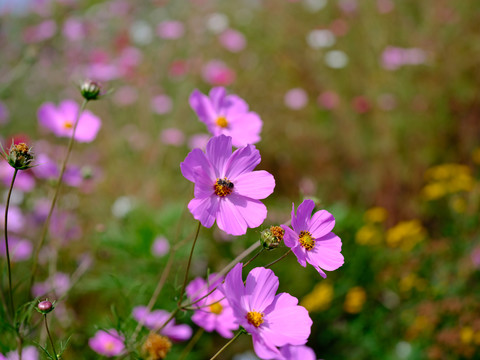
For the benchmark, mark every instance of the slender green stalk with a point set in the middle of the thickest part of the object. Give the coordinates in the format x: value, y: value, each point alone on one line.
x: 191, y: 344
x: 182, y: 293
x: 55, y: 196
x: 253, y: 258
x: 50, y: 336
x: 227, y: 344
x: 12, y: 306
x: 280, y: 258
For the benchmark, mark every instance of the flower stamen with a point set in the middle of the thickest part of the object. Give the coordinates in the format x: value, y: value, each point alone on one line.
x: 216, y: 308
x: 68, y: 124
x: 255, y: 318
x: 222, y: 121
x: 223, y: 187
x: 306, y: 240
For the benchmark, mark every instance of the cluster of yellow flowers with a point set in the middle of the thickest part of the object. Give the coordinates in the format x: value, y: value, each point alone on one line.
x: 319, y: 299
x: 446, y: 179
x: 372, y: 232
x: 406, y: 234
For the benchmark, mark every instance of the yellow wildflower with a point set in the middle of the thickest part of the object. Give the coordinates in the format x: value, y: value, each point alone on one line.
x: 354, y: 300
x: 320, y: 297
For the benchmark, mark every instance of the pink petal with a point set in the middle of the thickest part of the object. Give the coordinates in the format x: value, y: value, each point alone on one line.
x: 69, y: 110
x: 233, y: 287
x: 196, y: 159
x: 235, y: 105
x: 219, y: 150
x: 255, y: 185
x: 88, y: 127
x: 330, y: 241
x: 243, y: 160
x: 322, y: 222
x: 300, y: 254
x: 46, y: 115
x: 261, y: 286
x: 245, y: 128
x: 252, y: 211
x: 264, y: 350
x: 217, y: 96
x: 178, y: 332
x: 290, y: 238
x: 229, y: 218
x: 202, y: 105
x: 204, y: 184
x: 205, y: 210
x: 299, y: 222
x: 325, y: 258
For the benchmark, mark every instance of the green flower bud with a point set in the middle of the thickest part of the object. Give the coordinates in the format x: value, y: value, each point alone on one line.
x: 90, y: 90
x: 272, y: 237
x: 19, y: 156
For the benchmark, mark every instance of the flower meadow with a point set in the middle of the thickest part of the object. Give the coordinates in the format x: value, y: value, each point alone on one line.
x: 258, y: 179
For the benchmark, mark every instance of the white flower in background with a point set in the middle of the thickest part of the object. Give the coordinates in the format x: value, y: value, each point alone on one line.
x: 336, y: 59
x: 318, y: 39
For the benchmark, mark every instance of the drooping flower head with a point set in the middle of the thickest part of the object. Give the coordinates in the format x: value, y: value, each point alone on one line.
x: 272, y: 320
x: 61, y: 120
x: 109, y: 343
x: 228, y: 115
x: 227, y: 190
x: 312, y: 239
x: 213, y: 312
x: 155, y: 319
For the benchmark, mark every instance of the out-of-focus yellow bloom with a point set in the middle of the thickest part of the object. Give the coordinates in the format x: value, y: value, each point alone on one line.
x: 376, y: 214
x: 466, y: 334
x: 354, y: 300
x: 476, y: 338
x: 459, y: 205
x: 411, y: 281
x: 406, y: 234
x: 447, y: 179
x: 476, y: 155
x: 319, y: 299
x: 368, y: 235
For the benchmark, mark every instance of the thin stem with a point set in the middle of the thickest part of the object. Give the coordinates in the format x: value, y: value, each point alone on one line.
x: 191, y: 343
x: 6, y: 245
x: 55, y: 196
x: 280, y: 258
x: 227, y: 344
x: 182, y: 293
x: 50, y: 336
x: 253, y: 258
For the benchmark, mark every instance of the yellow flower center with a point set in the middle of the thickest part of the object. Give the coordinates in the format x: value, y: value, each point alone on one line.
x: 306, y: 240
x: 222, y: 122
x: 255, y: 318
x: 109, y: 345
x: 223, y: 187
x: 156, y: 347
x: 216, y: 308
x: 68, y: 125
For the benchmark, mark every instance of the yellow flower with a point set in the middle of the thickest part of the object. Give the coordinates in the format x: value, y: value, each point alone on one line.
x: 406, y: 234
x: 368, y: 235
x: 376, y: 214
x: 320, y: 297
x: 466, y: 334
x: 447, y: 179
x: 354, y: 300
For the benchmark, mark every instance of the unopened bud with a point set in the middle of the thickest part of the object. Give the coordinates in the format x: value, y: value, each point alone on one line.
x: 90, y: 90
x: 19, y: 156
x: 45, y: 306
x: 272, y: 237
x: 156, y: 347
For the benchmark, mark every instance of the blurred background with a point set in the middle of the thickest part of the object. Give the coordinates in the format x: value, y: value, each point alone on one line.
x: 371, y: 108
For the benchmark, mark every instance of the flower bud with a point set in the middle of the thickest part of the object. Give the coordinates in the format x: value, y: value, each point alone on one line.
x: 90, y: 90
x: 45, y: 307
x: 271, y: 238
x: 19, y: 156
x: 156, y: 347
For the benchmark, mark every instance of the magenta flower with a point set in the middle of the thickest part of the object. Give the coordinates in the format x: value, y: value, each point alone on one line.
x: 216, y: 72
x: 311, y: 239
x: 109, y: 343
x: 272, y: 320
x: 228, y: 115
x: 226, y: 187
x: 213, y: 312
x: 28, y: 353
x: 155, y: 319
x: 61, y: 120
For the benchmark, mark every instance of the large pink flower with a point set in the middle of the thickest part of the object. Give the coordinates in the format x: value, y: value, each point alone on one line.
x: 226, y: 187
x: 61, y: 120
x: 272, y: 320
x: 213, y: 310
x: 312, y: 239
x: 228, y: 115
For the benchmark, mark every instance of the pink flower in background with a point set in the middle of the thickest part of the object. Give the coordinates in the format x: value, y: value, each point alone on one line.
x: 227, y: 190
x: 272, y: 320
x: 41, y: 32
x: 395, y: 57
x: 74, y: 29
x: 19, y: 249
x: 172, y: 136
x: 61, y: 120
x: 178, y: 69
x: 155, y: 319
x: 4, y: 114
x: 57, y: 284
x: 108, y: 343
x: 161, y: 104
x: 361, y: 104
x: 160, y: 246
x: 296, y: 99
x: 233, y: 40
x: 28, y: 353
x: 328, y: 100
x: 300, y: 352
x: 216, y: 72
x: 228, y: 115
x: 24, y: 180
x: 311, y: 239
x: 125, y: 95
x: 198, y: 141
x: 213, y: 312
x: 16, y: 220
x: 170, y: 29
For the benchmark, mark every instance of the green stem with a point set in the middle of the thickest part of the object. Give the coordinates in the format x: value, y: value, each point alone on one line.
x: 253, y: 258
x: 280, y: 258
x: 55, y: 196
x: 50, y: 336
x: 227, y: 344
x: 6, y: 245
x: 191, y: 343
x: 182, y: 293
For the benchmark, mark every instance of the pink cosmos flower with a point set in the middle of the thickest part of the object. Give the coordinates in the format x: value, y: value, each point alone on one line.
x: 172, y: 136
x: 233, y: 40
x: 311, y: 239
x: 213, y: 312
x: 155, y: 319
x: 272, y: 320
x: 28, y: 353
x: 20, y: 249
x: 300, y: 352
x: 226, y: 187
x: 161, y: 104
x: 296, y: 99
x: 24, y: 180
x: 61, y: 120
x: 170, y: 29
x: 160, y: 246
x: 228, y: 115
x: 216, y: 72
x: 108, y: 343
